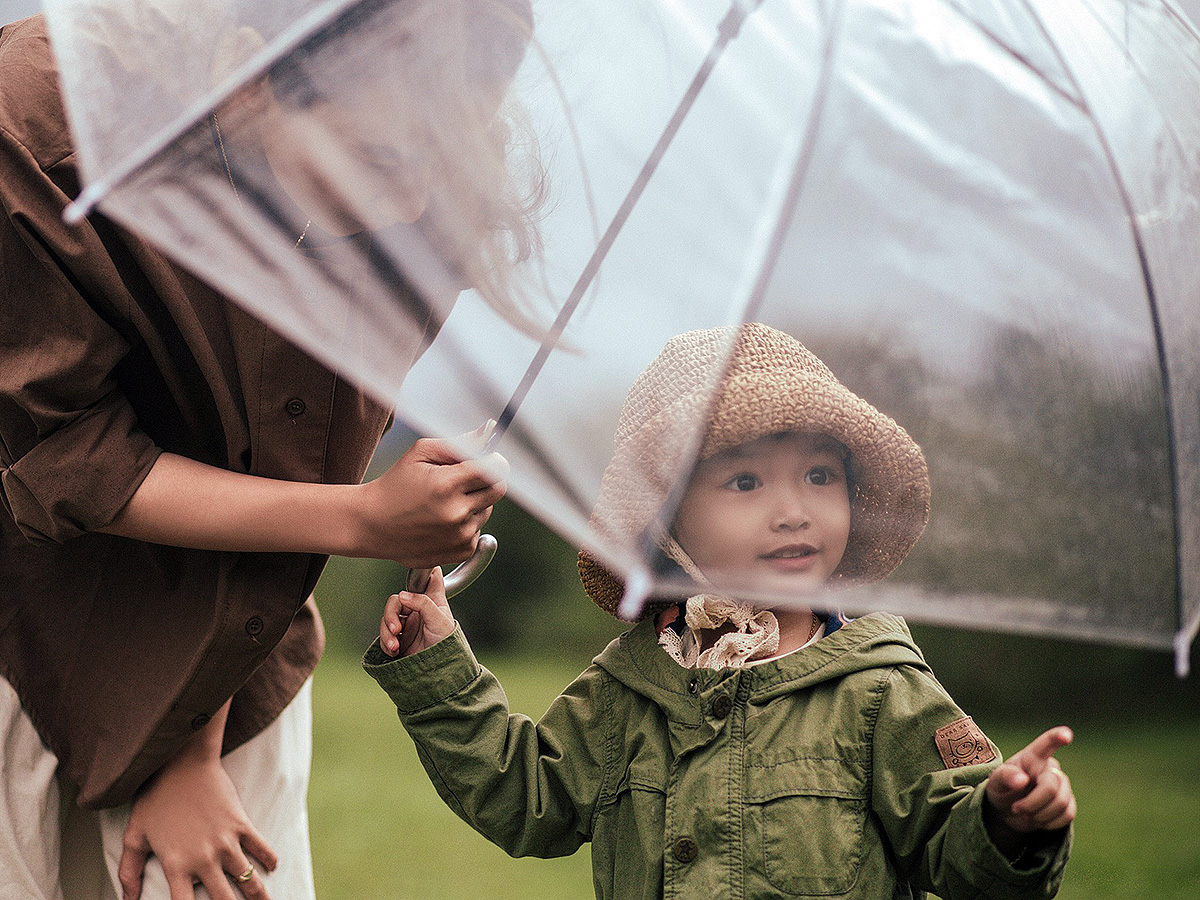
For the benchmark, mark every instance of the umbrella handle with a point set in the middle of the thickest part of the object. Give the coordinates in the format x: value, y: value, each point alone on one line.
x: 462, y: 576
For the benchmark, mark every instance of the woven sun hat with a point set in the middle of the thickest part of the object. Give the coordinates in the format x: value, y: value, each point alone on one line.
x: 745, y: 383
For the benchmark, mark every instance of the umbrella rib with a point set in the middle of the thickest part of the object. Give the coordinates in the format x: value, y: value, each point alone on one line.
x: 1076, y: 101
x: 727, y: 30
x: 799, y: 172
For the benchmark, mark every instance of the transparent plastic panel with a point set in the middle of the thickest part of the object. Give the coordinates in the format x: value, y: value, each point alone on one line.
x: 962, y: 258
x: 1153, y: 141
x: 164, y: 62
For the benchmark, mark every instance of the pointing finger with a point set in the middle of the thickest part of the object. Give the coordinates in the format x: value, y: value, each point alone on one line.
x: 1034, y: 758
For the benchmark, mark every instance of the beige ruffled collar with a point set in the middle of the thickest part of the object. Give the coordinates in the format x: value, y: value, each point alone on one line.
x: 755, y: 633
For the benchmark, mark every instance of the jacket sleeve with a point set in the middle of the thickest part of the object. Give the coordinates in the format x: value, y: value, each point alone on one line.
x: 529, y: 788
x: 71, y: 450
x: 933, y: 815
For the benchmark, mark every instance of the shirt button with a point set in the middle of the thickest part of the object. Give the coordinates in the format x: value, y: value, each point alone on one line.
x: 200, y: 721
x: 254, y: 626
x: 721, y: 706
x: 684, y: 849
x: 295, y: 407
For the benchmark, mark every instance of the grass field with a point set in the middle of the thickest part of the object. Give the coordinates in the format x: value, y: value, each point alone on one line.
x: 380, y: 831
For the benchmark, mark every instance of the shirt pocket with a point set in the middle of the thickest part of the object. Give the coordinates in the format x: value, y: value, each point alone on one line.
x: 805, y: 819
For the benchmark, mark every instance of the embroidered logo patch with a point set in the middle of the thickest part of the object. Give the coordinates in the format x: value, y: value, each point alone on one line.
x: 962, y: 743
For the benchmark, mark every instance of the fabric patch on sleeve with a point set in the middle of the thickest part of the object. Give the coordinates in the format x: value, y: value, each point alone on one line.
x: 962, y: 743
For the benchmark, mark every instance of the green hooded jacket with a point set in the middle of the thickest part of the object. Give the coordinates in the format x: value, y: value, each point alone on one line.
x: 813, y: 775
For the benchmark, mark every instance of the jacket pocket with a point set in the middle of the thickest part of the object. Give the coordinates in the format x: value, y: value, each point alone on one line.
x: 628, y: 835
x: 806, y: 818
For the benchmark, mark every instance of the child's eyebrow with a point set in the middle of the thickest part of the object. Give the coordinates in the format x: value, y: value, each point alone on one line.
x: 827, y: 444
x: 736, y: 454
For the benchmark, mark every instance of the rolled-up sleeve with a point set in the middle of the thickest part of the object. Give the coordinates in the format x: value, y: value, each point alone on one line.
x: 71, y: 450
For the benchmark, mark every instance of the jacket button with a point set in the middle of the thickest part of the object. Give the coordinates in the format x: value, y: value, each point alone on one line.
x: 295, y: 407
x: 693, y: 685
x: 721, y: 706
x: 254, y: 626
x: 200, y: 721
x: 684, y: 849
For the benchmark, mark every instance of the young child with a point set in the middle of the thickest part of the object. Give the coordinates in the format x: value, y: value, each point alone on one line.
x: 718, y: 749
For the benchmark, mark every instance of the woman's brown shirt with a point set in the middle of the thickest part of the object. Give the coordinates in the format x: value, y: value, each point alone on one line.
x: 109, y: 355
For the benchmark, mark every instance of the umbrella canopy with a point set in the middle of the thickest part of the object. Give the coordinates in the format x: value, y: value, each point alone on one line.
x: 981, y: 214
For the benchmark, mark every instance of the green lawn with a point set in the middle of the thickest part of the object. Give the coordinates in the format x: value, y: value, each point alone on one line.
x: 380, y: 831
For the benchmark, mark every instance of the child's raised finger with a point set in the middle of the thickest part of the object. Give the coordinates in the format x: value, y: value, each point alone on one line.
x: 391, y: 623
x: 1035, y: 757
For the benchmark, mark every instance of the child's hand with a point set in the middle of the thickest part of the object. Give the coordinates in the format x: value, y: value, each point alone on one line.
x: 1030, y: 792
x: 412, y: 622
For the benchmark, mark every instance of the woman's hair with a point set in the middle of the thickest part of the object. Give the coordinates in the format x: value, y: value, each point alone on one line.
x: 450, y: 63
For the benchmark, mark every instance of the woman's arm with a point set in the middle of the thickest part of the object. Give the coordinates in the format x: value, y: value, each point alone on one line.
x: 425, y: 510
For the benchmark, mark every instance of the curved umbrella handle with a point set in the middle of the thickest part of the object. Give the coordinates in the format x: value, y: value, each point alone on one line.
x: 463, y: 575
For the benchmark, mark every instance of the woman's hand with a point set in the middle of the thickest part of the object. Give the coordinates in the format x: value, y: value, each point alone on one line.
x: 429, y: 507
x: 190, y: 817
x: 412, y: 622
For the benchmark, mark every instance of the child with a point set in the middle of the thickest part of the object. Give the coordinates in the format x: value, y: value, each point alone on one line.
x: 717, y: 749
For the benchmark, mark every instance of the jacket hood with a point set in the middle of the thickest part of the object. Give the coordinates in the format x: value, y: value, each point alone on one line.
x: 878, y: 640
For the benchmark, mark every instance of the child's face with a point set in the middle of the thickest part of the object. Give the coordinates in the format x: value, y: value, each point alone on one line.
x: 772, y: 514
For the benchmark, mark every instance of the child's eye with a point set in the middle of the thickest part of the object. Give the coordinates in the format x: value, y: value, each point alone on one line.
x: 821, y: 476
x: 744, y: 482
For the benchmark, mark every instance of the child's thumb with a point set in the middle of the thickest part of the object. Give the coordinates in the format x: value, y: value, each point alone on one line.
x: 1007, y: 783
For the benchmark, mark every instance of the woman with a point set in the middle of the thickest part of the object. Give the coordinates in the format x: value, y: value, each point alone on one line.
x: 175, y: 473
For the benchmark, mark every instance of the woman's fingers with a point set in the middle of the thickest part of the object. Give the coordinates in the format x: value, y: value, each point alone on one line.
x: 134, y: 852
x: 244, y: 874
x: 258, y: 851
x: 181, y: 886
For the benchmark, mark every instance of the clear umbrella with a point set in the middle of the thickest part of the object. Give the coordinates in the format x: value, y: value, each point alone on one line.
x: 981, y: 213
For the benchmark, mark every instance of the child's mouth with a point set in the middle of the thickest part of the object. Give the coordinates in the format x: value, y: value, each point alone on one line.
x: 793, y: 557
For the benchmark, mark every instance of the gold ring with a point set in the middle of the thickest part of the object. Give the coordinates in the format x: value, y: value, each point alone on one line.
x: 245, y: 876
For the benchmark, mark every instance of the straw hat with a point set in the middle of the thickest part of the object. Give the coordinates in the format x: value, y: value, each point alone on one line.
x: 757, y: 381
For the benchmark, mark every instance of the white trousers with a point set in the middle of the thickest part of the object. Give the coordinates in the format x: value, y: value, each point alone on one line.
x: 51, y: 849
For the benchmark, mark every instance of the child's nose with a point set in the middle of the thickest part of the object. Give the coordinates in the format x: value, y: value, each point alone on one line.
x: 791, y: 511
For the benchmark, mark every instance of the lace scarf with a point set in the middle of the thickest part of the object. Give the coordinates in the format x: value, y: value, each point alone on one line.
x: 755, y: 633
